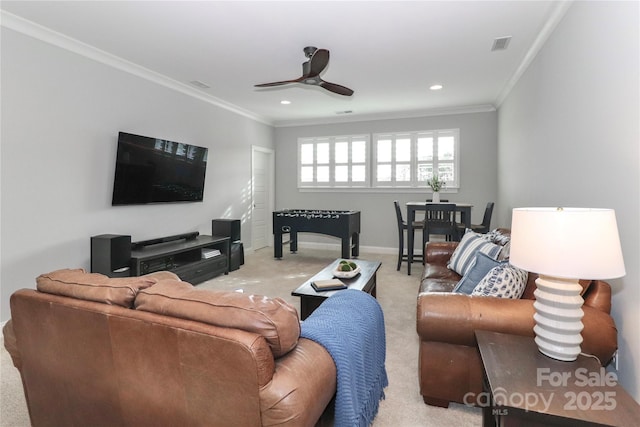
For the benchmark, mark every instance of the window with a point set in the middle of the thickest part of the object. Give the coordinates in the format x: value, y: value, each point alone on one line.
x: 392, y: 160
x: 410, y: 159
x: 340, y: 161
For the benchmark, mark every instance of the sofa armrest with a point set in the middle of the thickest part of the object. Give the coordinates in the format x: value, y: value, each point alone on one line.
x: 439, y: 252
x: 600, y: 335
x: 454, y: 318
x: 598, y: 295
x: 11, y: 344
x: 303, y: 384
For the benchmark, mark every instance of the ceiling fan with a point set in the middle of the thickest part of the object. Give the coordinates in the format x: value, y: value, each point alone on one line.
x: 311, y: 69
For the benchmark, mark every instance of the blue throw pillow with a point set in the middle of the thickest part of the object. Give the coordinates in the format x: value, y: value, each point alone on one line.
x: 464, y: 254
x: 482, y: 265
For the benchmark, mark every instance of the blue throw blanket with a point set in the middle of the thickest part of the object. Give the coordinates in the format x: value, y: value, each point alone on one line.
x: 350, y: 325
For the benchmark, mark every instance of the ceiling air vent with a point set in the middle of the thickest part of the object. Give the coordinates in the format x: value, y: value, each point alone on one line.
x: 201, y: 85
x: 500, y: 43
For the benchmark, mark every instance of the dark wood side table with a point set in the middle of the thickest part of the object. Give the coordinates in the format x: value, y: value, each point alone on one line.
x: 523, y: 387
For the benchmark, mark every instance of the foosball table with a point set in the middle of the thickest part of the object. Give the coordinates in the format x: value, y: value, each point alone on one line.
x: 342, y: 224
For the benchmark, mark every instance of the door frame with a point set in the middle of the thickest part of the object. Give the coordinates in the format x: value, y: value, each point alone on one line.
x: 271, y: 187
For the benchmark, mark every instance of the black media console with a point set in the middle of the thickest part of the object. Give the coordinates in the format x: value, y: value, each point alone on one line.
x: 193, y: 257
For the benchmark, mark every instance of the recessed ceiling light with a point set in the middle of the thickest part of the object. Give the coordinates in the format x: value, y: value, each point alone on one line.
x: 435, y: 87
x: 285, y: 102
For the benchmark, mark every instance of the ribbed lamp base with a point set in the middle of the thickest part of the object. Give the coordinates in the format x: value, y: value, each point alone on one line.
x: 558, y: 317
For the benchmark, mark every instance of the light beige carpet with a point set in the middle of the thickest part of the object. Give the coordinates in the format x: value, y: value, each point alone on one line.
x: 262, y: 274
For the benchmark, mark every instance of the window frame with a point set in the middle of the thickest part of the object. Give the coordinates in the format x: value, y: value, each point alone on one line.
x: 332, y: 163
x: 413, y: 163
x: 371, y: 163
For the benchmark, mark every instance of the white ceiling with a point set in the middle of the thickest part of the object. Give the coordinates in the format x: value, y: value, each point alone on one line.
x: 388, y: 52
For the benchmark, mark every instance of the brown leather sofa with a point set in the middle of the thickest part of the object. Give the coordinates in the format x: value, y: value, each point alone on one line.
x: 449, y: 360
x: 155, y: 351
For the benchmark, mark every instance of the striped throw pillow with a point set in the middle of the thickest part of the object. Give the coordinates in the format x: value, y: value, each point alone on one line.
x: 464, y: 256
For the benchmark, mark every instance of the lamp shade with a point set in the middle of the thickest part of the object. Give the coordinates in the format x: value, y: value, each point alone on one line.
x: 572, y: 243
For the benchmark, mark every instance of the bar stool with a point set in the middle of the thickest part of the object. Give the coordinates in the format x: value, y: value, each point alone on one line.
x: 402, y: 227
x: 440, y: 219
x: 486, y: 222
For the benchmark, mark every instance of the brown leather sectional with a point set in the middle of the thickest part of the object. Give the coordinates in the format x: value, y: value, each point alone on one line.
x: 154, y: 351
x: 449, y: 360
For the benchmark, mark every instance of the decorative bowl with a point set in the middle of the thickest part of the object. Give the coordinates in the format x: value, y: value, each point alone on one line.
x: 346, y: 274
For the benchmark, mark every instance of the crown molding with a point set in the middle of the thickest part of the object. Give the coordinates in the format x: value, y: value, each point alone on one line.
x: 555, y: 16
x: 447, y: 111
x: 39, y: 32
x: 47, y: 35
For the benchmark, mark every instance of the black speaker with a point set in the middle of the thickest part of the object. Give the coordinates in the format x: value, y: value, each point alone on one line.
x: 111, y: 254
x: 236, y: 259
x: 227, y: 228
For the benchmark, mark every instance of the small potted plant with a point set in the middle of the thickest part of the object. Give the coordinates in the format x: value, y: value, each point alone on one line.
x: 436, y: 185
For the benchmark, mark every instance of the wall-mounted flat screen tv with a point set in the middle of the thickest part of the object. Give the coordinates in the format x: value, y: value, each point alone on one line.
x: 151, y: 170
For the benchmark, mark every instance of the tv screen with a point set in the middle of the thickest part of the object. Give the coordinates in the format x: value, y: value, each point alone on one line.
x: 151, y: 170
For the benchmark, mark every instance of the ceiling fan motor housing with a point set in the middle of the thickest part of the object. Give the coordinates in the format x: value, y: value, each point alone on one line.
x: 309, y: 51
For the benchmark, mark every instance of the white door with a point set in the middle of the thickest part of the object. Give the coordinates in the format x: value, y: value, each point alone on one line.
x: 262, y: 195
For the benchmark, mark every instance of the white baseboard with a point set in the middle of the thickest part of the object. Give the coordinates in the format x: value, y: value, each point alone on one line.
x: 333, y: 246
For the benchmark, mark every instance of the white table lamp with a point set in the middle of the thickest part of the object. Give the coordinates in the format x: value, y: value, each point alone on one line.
x: 564, y: 245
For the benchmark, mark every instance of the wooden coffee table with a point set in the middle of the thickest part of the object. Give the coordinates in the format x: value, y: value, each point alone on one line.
x: 365, y: 281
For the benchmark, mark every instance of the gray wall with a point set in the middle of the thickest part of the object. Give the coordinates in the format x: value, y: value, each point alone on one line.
x: 478, y: 183
x: 569, y: 136
x: 61, y: 114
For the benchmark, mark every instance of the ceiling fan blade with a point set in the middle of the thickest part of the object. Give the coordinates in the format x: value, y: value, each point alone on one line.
x: 332, y: 87
x: 318, y: 62
x: 311, y: 69
x: 285, y: 82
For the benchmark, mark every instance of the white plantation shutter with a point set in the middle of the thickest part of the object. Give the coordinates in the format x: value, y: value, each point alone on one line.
x: 389, y: 160
x: 409, y: 159
x: 336, y: 161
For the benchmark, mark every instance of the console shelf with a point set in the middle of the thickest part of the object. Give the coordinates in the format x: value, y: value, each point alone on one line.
x: 186, y: 258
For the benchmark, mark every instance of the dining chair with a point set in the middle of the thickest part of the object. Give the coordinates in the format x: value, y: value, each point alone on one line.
x: 402, y: 227
x: 486, y: 222
x: 440, y: 219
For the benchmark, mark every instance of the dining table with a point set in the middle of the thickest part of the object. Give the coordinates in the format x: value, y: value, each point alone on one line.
x: 413, y: 207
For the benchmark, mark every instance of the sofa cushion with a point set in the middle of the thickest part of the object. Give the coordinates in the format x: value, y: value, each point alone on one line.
x: 437, y: 285
x: 77, y: 283
x: 272, y: 318
x: 503, y: 281
x: 499, y: 236
x: 439, y: 271
x: 463, y: 257
x: 482, y: 265
x: 505, y: 252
